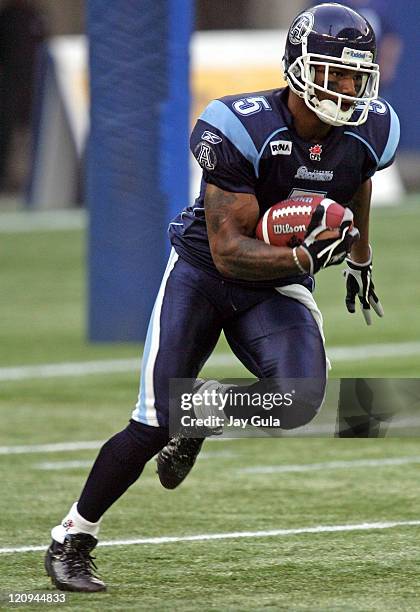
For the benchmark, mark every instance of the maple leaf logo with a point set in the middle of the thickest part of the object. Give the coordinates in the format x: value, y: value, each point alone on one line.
x: 315, y: 152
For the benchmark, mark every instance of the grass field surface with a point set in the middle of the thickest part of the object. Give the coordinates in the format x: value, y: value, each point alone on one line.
x: 43, y: 300
x: 305, y: 524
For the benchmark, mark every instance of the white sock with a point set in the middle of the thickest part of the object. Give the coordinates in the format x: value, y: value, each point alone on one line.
x: 73, y: 522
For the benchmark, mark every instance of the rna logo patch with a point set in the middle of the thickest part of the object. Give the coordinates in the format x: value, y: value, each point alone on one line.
x: 281, y: 147
x: 210, y: 137
x: 205, y: 156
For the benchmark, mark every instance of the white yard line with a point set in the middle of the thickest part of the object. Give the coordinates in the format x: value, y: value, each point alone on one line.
x: 329, y: 428
x: 72, y: 465
x: 107, y: 366
x: 42, y: 220
x: 328, y: 465
x: 58, y: 447
x: 260, y: 469
x: 63, y: 447
x: 235, y: 535
x: 77, y: 368
x: 373, y: 351
x: 62, y: 465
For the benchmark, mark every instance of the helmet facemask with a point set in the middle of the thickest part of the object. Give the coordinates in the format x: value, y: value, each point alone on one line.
x: 301, y: 79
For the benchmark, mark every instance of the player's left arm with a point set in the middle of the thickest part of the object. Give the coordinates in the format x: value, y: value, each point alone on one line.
x: 360, y: 206
x: 358, y: 273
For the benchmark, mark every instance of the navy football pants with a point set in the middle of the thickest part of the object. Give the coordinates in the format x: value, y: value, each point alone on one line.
x: 272, y: 335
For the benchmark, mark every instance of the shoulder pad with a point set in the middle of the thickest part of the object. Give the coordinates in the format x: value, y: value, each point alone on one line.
x: 246, y: 121
x: 222, y: 118
x: 380, y: 134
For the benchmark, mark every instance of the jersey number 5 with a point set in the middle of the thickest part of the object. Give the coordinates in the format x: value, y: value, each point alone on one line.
x: 252, y: 105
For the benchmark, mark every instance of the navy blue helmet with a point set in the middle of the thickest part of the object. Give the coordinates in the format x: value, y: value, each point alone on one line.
x: 334, y: 37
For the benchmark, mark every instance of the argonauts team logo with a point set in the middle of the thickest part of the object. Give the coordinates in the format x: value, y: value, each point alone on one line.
x: 301, y: 27
x: 314, y: 175
x: 205, y: 155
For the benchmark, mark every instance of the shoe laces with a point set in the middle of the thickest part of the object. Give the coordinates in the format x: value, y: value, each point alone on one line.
x: 80, y: 561
x: 187, y: 447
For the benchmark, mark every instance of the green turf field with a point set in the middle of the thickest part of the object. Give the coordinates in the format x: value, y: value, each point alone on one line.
x: 369, y: 569
x: 43, y: 301
x: 313, y: 483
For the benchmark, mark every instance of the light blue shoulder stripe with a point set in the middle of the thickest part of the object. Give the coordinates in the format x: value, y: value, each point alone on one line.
x: 222, y: 118
x: 283, y: 129
x: 393, y: 139
x: 365, y: 142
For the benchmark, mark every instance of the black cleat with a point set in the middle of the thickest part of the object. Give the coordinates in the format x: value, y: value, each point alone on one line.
x: 70, y: 565
x: 176, y: 459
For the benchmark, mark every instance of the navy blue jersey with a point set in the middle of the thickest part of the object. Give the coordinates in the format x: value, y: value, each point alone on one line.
x: 247, y: 144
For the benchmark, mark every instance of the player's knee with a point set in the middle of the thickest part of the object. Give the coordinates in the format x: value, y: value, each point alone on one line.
x: 304, y: 401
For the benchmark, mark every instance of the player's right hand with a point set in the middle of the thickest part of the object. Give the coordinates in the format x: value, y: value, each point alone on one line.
x: 329, y: 251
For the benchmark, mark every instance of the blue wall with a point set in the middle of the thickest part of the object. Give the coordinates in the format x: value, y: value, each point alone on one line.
x: 405, y: 91
x: 137, y: 165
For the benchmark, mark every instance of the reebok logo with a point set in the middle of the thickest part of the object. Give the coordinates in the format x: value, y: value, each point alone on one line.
x: 210, y: 137
x: 281, y: 147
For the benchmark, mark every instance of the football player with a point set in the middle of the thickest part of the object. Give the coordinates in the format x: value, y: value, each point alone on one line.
x: 325, y: 133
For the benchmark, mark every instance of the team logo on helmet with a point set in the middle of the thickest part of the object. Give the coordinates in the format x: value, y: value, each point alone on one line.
x: 301, y: 27
x: 315, y: 152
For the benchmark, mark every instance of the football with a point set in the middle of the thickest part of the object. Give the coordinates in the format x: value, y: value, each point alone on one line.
x: 285, y: 223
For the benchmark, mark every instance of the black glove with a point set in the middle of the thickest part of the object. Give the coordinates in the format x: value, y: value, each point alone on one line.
x: 359, y: 282
x: 332, y: 251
